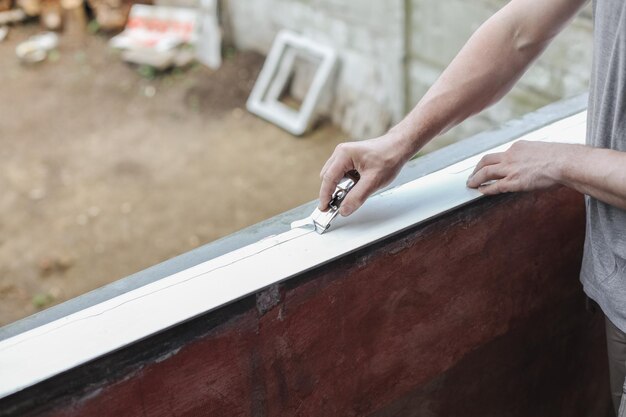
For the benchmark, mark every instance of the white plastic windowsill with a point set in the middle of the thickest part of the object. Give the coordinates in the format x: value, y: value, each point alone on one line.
x: 38, y: 354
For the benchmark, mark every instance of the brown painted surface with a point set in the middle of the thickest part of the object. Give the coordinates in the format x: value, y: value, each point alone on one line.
x: 479, y: 313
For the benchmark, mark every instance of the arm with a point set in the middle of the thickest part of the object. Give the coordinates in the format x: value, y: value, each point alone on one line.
x: 527, y: 166
x: 489, y: 64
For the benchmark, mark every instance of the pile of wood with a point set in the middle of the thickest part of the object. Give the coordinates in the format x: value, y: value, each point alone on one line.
x: 6, y: 5
x: 69, y: 16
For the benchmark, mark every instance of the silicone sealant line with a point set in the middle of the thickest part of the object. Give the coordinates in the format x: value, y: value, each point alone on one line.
x: 55, y: 347
x: 246, y: 252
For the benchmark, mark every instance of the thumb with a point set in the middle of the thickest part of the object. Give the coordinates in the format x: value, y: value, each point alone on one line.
x: 357, y: 196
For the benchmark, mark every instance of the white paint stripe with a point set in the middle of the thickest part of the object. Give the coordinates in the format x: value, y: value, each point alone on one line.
x: 38, y: 354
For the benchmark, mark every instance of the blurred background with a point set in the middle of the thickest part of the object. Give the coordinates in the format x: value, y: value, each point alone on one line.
x: 125, y: 138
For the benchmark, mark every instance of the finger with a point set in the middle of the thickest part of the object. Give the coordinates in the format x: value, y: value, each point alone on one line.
x: 357, y: 196
x: 326, y: 165
x: 331, y: 178
x: 495, y: 187
x: 490, y: 159
x: 485, y: 174
x: 337, y: 153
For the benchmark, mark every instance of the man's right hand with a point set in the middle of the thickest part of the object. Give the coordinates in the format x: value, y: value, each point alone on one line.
x: 378, y: 161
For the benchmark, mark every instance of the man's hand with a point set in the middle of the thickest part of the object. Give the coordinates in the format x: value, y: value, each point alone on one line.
x: 528, y: 166
x: 525, y: 166
x: 378, y: 161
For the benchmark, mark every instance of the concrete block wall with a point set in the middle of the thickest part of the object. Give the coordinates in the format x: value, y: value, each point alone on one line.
x: 439, y: 29
x: 392, y: 51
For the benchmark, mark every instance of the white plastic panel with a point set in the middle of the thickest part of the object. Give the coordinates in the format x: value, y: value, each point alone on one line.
x: 264, y: 98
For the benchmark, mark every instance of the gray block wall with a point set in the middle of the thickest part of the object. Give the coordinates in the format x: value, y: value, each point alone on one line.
x: 392, y: 51
x: 439, y: 29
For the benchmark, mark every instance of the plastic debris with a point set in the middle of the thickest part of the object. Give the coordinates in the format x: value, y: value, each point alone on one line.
x: 157, y: 27
x: 158, y: 36
x: 276, y: 75
x: 37, y: 47
x: 12, y: 16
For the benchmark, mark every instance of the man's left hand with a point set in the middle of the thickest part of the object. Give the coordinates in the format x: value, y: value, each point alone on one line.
x: 525, y: 166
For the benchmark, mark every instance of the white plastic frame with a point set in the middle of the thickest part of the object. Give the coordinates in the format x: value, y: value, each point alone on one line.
x: 264, y: 99
x: 209, y: 45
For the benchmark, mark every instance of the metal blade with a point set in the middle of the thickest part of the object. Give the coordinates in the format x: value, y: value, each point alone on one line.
x: 306, y: 223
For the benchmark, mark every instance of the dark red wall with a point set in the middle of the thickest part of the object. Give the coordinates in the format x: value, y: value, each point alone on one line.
x: 479, y: 313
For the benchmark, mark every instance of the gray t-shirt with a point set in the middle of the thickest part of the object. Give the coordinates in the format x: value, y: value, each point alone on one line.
x: 604, y: 263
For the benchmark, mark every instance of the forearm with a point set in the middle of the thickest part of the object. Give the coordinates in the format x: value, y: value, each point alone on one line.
x: 487, y: 67
x: 600, y: 173
x: 482, y: 72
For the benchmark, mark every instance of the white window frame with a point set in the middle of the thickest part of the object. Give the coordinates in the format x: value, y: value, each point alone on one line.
x: 264, y: 100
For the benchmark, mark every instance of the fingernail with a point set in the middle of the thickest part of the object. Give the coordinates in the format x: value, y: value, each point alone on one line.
x: 345, y: 211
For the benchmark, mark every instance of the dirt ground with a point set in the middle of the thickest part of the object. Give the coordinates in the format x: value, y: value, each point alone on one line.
x: 106, y: 170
